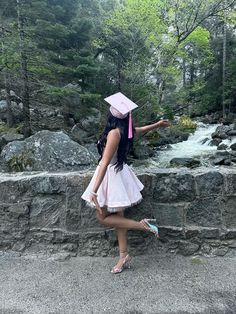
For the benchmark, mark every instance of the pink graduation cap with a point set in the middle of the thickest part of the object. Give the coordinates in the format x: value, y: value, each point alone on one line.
x: 120, y: 107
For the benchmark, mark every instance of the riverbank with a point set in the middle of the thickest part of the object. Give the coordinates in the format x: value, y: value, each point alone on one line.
x: 160, y: 284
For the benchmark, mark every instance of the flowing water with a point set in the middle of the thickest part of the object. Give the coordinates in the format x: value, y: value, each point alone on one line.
x: 197, y: 146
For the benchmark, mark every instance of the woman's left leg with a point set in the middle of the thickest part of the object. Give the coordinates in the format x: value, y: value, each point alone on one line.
x: 122, y: 242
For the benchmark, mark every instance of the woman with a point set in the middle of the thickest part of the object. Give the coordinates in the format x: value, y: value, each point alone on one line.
x: 114, y: 186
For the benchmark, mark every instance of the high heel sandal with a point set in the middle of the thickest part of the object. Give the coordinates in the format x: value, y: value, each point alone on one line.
x: 126, y: 264
x: 150, y: 227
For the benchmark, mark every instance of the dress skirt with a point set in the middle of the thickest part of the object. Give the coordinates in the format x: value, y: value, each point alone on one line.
x: 117, y: 191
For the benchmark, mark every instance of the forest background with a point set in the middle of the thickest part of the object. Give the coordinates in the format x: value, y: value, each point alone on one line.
x: 164, y: 55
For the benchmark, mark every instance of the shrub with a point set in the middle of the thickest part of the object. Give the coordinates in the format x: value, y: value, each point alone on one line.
x: 21, y: 161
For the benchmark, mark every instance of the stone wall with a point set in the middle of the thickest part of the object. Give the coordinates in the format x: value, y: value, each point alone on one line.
x: 195, y: 211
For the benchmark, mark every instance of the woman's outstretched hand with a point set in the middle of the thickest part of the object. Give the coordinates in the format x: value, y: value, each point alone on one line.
x: 163, y: 123
x: 93, y: 199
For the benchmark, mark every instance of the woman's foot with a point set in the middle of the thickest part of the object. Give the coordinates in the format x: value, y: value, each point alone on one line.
x: 124, y: 261
x: 150, y: 227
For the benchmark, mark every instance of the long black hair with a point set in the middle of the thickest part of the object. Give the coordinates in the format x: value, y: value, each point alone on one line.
x: 125, y: 143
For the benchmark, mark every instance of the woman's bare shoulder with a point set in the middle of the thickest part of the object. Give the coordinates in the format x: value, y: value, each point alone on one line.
x: 114, y: 134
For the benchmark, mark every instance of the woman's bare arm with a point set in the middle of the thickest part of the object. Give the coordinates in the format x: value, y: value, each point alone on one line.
x: 147, y: 128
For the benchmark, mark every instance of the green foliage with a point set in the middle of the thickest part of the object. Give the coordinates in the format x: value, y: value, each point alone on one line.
x: 153, y: 137
x: 5, y: 129
x: 185, y: 123
x: 21, y: 161
x: 164, y: 54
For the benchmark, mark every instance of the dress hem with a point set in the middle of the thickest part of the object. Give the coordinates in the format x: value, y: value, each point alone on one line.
x: 117, y: 208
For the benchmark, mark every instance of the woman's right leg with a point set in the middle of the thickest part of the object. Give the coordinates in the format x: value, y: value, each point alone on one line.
x: 122, y: 242
x: 118, y: 221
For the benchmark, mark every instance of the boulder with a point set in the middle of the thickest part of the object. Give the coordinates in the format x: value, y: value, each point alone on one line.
x: 233, y: 146
x: 15, y: 108
x: 204, y: 140
x: 46, y: 118
x: 143, y: 151
x: 79, y: 135
x: 86, y: 130
x: 221, y: 132
x: 166, y: 136
x: 222, y: 147
x: 46, y: 150
x: 221, y: 158
x: 185, y: 162
x: 232, y: 133
x: 6, y: 138
x: 215, y: 142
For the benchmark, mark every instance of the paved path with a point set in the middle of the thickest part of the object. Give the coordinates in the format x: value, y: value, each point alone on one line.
x: 156, y: 284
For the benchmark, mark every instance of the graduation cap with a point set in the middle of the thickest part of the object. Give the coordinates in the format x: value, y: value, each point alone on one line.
x: 121, y: 106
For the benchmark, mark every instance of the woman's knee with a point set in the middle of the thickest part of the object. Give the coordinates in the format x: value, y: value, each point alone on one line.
x: 101, y: 217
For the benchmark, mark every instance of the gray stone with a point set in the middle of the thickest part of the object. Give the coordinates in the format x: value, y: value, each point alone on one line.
x: 230, y: 234
x: 143, y: 151
x: 86, y: 129
x: 204, y: 140
x: 48, y: 150
x: 222, y: 147
x: 220, y: 157
x: 229, y: 212
x: 15, y: 108
x: 209, y: 233
x: 215, y: 142
x: 47, y: 184
x: 187, y: 248
x: 232, y: 133
x: 60, y: 257
x: 233, y: 146
x: 9, y: 137
x: 232, y: 245
x: 47, y: 211
x: 92, y: 148
x: 91, y: 123
x: 218, y: 160
x: 205, y: 212
x: 220, y: 135
x: 221, y: 132
x: 191, y: 232
x: 206, y: 248
x: 171, y: 232
x: 169, y: 214
x: 210, y: 183
x: 185, y: 162
x: 220, y: 251
x: 79, y: 135
x: 174, y: 187
x: 227, y: 162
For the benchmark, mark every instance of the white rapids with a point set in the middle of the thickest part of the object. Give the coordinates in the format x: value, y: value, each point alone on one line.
x: 197, y: 145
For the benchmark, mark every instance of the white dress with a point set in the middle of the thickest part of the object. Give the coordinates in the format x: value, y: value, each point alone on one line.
x: 118, y: 190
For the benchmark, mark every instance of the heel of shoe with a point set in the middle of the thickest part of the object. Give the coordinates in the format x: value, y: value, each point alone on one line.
x: 151, y: 228
x: 127, y: 263
x: 150, y: 219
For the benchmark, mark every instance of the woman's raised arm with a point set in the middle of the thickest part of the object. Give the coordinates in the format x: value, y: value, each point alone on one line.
x: 150, y: 127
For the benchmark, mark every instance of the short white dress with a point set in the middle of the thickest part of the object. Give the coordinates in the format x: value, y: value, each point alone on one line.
x: 118, y: 190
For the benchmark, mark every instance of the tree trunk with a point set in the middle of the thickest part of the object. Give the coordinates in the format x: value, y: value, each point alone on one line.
x: 7, y: 88
x: 119, y: 73
x: 184, y: 73
x: 24, y: 71
x: 223, y: 64
x: 162, y: 86
x: 10, y: 121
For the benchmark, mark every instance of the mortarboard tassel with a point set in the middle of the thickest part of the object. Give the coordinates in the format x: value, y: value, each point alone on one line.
x: 130, y: 132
